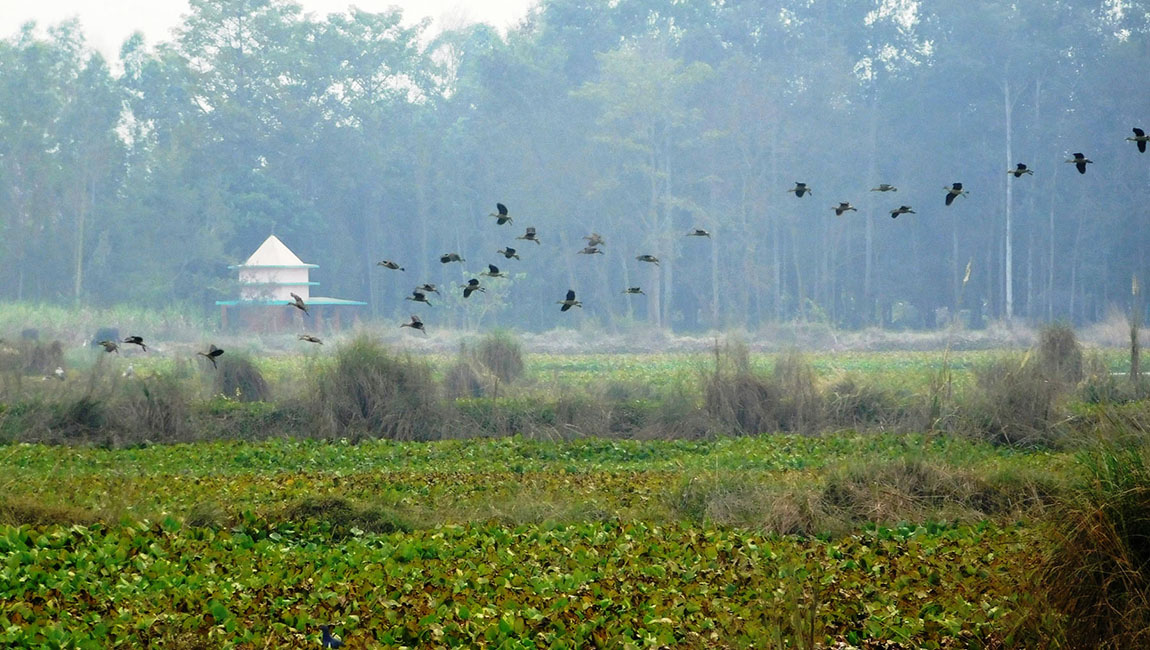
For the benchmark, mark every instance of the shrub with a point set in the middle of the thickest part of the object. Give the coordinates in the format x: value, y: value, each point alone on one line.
x: 849, y: 403
x: 342, y: 515
x: 799, y: 407
x: 369, y: 391
x: 1014, y: 403
x: 1059, y: 354
x: 464, y: 379
x: 502, y: 355
x: 237, y: 377
x: 1098, y: 574
x: 152, y: 408
x: 736, y: 396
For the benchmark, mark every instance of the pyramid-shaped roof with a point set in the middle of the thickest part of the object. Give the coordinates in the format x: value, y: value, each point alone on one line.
x: 273, y: 253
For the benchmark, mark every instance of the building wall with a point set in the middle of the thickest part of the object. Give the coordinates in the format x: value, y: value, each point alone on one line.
x: 265, y: 283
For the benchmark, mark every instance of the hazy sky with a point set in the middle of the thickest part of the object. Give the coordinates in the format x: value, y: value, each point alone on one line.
x: 107, y: 23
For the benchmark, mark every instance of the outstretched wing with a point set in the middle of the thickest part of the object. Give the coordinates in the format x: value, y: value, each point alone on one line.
x: 570, y: 294
x: 502, y: 209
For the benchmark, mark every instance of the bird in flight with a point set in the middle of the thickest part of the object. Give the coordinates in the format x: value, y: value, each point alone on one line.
x: 902, y: 209
x: 136, y: 340
x: 634, y: 290
x: 594, y: 239
x: 954, y: 190
x: 427, y: 287
x: 493, y: 272
x: 299, y: 303
x: 388, y: 264
x: 843, y: 207
x: 110, y: 346
x: 1080, y: 161
x: 451, y: 257
x: 590, y: 250
x: 508, y: 252
x: 800, y: 189
x: 1020, y: 170
x: 569, y: 302
x: 1140, y: 138
x: 415, y: 324
x: 471, y: 287
x: 648, y: 258
x: 501, y: 216
x: 419, y: 296
x: 530, y: 235
x: 698, y: 232
x: 309, y: 338
x: 884, y: 187
x: 212, y: 354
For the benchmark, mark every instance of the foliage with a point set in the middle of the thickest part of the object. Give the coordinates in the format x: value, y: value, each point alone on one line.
x: 238, y: 377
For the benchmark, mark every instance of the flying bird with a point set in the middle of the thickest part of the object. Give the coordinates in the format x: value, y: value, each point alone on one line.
x: 451, y: 257
x: 388, y: 264
x: 843, y: 207
x: 310, y: 339
x: 493, y: 272
x: 594, y: 239
x: 472, y: 286
x: 501, y: 217
x: 136, y: 340
x: 635, y: 290
x: 110, y: 346
x: 299, y: 303
x: 698, y: 232
x: 1140, y: 138
x: 415, y: 324
x: 648, y: 258
x: 427, y: 287
x: 902, y: 209
x: 954, y: 190
x: 508, y: 252
x: 884, y: 187
x: 419, y: 296
x: 569, y: 302
x: 212, y: 354
x: 1080, y: 161
x: 1020, y: 170
x: 800, y: 189
x: 530, y: 235
x: 590, y: 250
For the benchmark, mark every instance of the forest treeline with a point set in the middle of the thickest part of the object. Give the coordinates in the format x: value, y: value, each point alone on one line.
x: 355, y: 138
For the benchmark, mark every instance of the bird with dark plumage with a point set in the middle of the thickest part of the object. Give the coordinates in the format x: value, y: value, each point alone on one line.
x: 388, y: 264
x: 569, y: 302
x: 648, y: 258
x: 902, y: 209
x: 954, y: 190
x: 419, y: 296
x: 212, y: 354
x: 843, y: 207
x: 471, y: 287
x: 1080, y: 161
x: 884, y: 187
x: 299, y: 303
x: 501, y: 216
x: 136, y: 340
x: 634, y: 290
x: 698, y: 232
x: 110, y: 346
x: 427, y: 287
x: 415, y: 323
x: 508, y: 252
x: 530, y: 235
x: 1140, y: 138
x: 310, y: 339
x: 493, y: 272
x: 590, y: 250
x: 800, y: 189
x: 329, y: 641
x: 594, y: 239
x: 447, y: 258
x: 1020, y: 170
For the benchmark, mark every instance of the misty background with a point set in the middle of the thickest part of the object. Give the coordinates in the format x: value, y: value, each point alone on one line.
x: 355, y: 138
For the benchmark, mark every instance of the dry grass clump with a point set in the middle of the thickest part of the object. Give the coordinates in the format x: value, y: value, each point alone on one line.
x: 26, y: 511
x: 736, y: 396
x: 853, y: 404
x: 342, y: 515
x: 501, y: 354
x: 1098, y: 573
x: 1015, y: 403
x: 466, y: 378
x: 371, y: 392
x: 734, y: 499
x: 237, y: 377
x: 1059, y: 354
x: 155, y: 408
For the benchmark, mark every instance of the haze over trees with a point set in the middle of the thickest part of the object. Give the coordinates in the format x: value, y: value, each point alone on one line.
x: 355, y: 139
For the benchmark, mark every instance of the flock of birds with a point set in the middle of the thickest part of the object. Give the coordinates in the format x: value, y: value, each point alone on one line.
x: 594, y: 244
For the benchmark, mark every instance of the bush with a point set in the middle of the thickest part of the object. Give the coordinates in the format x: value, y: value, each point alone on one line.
x: 851, y: 404
x: 369, y: 391
x: 1014, y: 403
x: 342, y: 515
x: 1098, y: 574
x: 1059, y: 354
x: 736, y: 396
x: 800, y: 404
x: 238, y: 378
x: 152, y: 408
x: 464, y: 379
x: 502, y: 355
